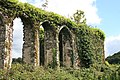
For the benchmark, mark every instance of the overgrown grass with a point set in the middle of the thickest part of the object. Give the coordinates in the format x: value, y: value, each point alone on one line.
x: 29, y: 72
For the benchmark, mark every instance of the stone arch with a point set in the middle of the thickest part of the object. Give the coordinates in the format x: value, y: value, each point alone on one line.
x: 65, y: 47
x: 17, y: 43
x: 30, y: 51
x: 31, y: 41
x: 41, y: 44
x: 50, y: 42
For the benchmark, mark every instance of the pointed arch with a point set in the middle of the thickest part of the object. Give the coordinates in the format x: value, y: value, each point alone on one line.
x: 49, y: 42
x: 17, y: 44
x: 65, y: 47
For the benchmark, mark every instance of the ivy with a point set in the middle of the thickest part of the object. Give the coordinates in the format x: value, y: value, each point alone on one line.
x: 16, y: 8
x: 89, y: 40
x: 89, y: 45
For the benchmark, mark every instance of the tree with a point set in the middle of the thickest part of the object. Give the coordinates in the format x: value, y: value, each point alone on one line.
x: 17, y: 60
x: 79, y: 17
x: 114, y: 59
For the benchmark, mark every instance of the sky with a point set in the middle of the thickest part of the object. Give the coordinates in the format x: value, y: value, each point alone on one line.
x: 101, y: 13
x: 108, y: 11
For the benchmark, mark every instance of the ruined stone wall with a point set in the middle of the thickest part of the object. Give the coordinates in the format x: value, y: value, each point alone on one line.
x: 60, y: 45
x: 71, y: 46
x: 31, y: 43
x: 30, y: 47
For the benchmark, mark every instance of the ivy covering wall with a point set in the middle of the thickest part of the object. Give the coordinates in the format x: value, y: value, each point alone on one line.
x: 90, y: 44
x: 16, y: 9
x: 90, y: 41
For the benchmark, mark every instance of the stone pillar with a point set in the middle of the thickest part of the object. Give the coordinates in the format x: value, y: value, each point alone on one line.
x: 31, y: 43
x: 57, y: 51
x: 6, y: 30
x: 75, y: 53
x: 36, y: 46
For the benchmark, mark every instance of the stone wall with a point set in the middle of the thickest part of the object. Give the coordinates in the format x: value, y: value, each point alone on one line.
x: 60, y: 37
x: 60, y: 47
x: 31, y: 42
x: 30, y: 53
x: 63, y: 42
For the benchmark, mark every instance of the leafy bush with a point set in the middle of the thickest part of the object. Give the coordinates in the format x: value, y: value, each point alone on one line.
x: 29, y: 72
x: 17, y: 60
x: 90, y: 46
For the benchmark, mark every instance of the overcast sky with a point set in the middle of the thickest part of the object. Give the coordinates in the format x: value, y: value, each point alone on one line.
x: 101, y: 13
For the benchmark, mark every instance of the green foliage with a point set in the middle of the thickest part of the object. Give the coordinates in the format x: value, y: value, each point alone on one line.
x: 84, y: 50
x: 29, y: 72
x: 41, y: 36
x: 54, y: 63
x: 41, y: 40
x: 72, y: 58
x: 79, y: 17
x: 114, y: 59
x: 15, y: 8
x: 106, y: 63
x: 17, y: 60
x: 90, y: 45
x: 89, y: 40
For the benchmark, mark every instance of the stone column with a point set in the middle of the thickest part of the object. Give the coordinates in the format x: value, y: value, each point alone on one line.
x: 37, y: 46
x: 57, y: 50
x: 75, y: 53
x: 6, y: 30
x: 8, y: 45
x: 31, y: 43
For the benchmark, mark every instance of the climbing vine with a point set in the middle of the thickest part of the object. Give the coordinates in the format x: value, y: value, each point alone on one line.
x: 89, y: 40
x: 89, y: 44
x: 16, y: 9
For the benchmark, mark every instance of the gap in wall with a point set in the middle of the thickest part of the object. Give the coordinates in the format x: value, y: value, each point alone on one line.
x: 17, y: 39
